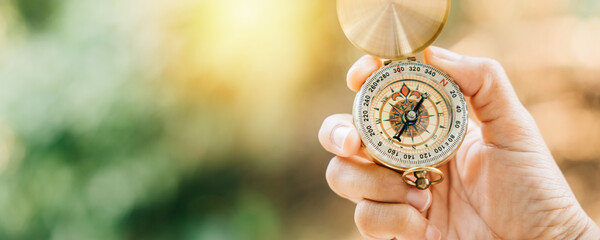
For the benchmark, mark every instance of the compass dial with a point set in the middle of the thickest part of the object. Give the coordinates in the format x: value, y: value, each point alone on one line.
x: 410, y: 114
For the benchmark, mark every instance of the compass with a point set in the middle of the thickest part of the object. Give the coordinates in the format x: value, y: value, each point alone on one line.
x: 411, y: 116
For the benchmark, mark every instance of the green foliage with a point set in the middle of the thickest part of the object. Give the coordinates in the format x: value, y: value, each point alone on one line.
x: 37, y: 14
x: 94, y: 158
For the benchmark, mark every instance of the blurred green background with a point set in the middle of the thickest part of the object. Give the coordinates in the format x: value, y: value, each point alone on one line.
x: 197, y: 119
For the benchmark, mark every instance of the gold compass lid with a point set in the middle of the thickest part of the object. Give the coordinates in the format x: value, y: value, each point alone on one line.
x: 392, y: 29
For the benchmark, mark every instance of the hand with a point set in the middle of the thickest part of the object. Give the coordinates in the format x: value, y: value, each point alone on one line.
x: 503, y: 182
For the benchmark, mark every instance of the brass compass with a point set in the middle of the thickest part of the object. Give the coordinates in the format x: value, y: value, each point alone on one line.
x: 411, y: 116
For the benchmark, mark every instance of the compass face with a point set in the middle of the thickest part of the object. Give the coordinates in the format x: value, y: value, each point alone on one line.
x: 410, y: 114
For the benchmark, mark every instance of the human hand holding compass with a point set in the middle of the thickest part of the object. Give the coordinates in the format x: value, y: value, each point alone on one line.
x: 502, y: 184
x: 502, y: 181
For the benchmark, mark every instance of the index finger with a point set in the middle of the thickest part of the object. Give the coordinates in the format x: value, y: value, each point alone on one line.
x: 361, y: 70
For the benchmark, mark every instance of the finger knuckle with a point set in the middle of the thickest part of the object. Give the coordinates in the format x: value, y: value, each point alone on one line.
x: 390, y: 184
x: 493, y: 73
x: 333, y: 174
x: 490, y: 65
x: 365, y: 216
x: 409, y: 215
x: 379, y: 219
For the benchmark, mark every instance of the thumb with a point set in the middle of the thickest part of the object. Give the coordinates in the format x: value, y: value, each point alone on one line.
x: 504, y: 121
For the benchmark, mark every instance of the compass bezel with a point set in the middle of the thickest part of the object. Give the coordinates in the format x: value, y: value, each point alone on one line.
x: 407, y: 160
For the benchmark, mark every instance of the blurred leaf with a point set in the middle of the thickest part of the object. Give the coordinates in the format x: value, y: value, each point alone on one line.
x: 38, y: 14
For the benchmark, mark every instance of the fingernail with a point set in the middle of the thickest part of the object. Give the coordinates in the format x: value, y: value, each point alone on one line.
x: 339, y: 136
x: 444, y: 54
x: 432, y: 233
x: 420, y: 199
